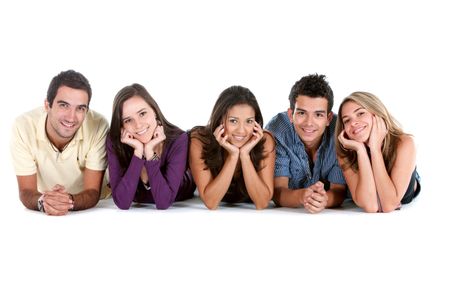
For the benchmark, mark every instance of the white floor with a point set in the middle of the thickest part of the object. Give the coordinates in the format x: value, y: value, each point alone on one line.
x: 233, y: 252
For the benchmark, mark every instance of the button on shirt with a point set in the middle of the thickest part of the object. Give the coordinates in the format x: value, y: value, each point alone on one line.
x: 292, y: 160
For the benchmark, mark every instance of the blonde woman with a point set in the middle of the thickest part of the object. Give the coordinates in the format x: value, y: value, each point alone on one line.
x: 377, y: 157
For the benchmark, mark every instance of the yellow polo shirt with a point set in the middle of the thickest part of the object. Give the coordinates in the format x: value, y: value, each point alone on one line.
x: 32, y: 152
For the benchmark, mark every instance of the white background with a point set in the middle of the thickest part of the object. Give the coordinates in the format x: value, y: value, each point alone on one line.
x: 186, y: 53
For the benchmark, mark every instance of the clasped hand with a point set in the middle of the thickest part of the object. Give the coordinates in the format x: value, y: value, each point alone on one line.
x: 57, y: 202
x: 315, y: 198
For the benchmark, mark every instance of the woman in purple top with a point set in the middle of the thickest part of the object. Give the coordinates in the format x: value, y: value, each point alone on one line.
x: 147, y: 155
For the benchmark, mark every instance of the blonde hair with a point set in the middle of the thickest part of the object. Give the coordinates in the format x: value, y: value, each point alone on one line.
x: 389, y: 148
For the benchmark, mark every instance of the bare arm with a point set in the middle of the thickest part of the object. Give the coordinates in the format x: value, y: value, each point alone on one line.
x: 336, y: 195
x: 312, y: 198
x: 28, y: 192
x: 58, y: 201
x: 286, y: 197
x: 260, y: 185
x: 361, y: 184
x: 391, y: 189
x: 211, y: 190
x: 55, y: 203
x: 90, y: 195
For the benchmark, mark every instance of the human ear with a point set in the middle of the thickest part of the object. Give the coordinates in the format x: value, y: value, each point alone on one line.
x: 290, y: 113
x: 46, y: 105
x: 329, y: 117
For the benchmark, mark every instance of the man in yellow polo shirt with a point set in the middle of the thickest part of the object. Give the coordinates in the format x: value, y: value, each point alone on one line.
x: 58, y: 150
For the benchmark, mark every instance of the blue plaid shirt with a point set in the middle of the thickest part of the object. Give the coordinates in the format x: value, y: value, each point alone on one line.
x: 292, y: 160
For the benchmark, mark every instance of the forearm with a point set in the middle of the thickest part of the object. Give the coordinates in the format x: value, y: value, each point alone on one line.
x: 335, y: 197
x: 163, y: 188
x: 86, y: 199
x: 214, y: 192
x: 288, y: 198
x: 124, y: 187
x: 387, y: 193
x: 258, y: 191
x: 29, y: 198
x: 365, y: 191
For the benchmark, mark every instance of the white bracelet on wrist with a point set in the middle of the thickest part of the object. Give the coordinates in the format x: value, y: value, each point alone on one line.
x: 147, y: 187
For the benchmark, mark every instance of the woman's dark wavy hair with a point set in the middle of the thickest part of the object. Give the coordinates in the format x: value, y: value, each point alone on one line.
x: 123, y: 151
x: 213, y: 154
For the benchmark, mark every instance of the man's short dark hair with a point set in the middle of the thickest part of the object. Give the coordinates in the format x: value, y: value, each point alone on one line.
x: 69, y: 78
x: 314, y: 86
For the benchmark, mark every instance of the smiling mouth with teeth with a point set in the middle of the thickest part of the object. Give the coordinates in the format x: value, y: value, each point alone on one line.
x: 239, y: 138
x: 70, y: 125
x: 308, y: 130
x: 142, y: 131
x: 358, y: 130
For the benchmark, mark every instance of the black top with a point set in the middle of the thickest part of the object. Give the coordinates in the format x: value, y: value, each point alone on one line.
x: 410, y: 192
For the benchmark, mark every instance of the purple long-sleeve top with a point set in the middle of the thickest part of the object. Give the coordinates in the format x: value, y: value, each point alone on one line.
x: 169, y: 177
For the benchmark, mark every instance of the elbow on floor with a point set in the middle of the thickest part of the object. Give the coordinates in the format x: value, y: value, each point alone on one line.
x: 211, y: 206
x: 390, y: 208
x: 260, y: 206
x: 163, y: 206
x: 122, y: 206
x: 370, y: 208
